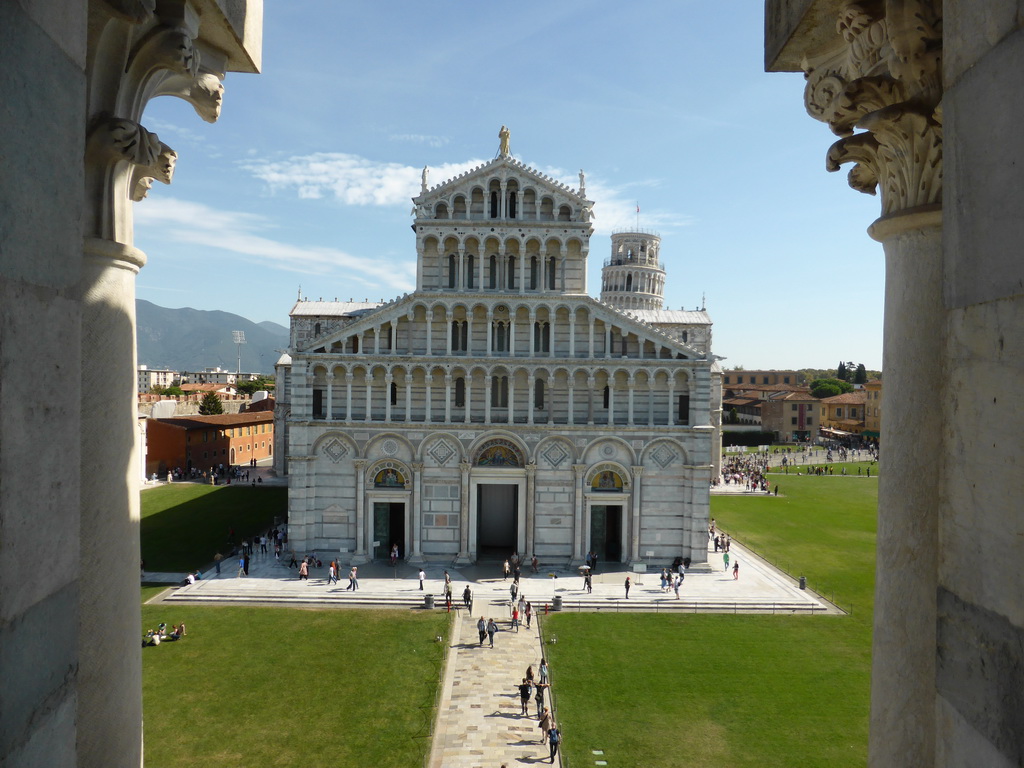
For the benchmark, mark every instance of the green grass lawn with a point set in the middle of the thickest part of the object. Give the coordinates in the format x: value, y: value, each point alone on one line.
x: 724, y: 691
x: 290, y: 687
x: 185, y: 524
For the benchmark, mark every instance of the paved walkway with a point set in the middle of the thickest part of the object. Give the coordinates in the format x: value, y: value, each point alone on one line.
x: 479, y: 722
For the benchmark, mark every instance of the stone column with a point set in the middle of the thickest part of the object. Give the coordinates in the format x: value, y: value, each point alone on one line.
x: 488, y: 394
x: 330, y: 396
x: 572, y: 334
x: 416, y: 514
x: 881, y: 72
x: 430, y: 331
x: 533, y: 333
x: 634, y: 525
x: 388, y: 380
x: 531, y: 508
x: 464, y: 553
x: 611, y: 399
x: 428, y: 381
x: 531, y: 393
x: 572, y: 400
x: 591, y: 382
x: 523, y: 259
x: 409, y: 326
x: 369, y: 396
x: 376, y: 339
x: 448, y: 398
x: 590, y: 339
x: 490, y: 332
x: 607, y: 340
x: 348, y: 396
x: 408, y: 397
x: 450, y: 331
x: 629, y: 409
x: 511, y: 334
x: 671, y: 398
x: 577, y: 528
x: 511, y: 396
x: 468, y: 417
x: 360, y: 555
x: 469, y: 333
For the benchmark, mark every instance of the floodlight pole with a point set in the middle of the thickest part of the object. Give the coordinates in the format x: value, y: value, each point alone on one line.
x: 239, y: 339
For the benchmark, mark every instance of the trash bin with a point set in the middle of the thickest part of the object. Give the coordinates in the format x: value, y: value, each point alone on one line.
x: 428, y: 602
x: 803, y: 582
x: 556, y: 603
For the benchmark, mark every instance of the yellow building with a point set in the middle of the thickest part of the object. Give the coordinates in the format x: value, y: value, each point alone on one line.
x: 873, y: 409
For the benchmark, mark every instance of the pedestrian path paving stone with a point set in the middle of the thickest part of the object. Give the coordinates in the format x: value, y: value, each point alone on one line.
x: 478, y: 721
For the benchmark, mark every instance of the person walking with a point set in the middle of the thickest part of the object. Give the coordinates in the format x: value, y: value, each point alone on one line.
x: 528, y: 613
x: 481, y: 627
x: 514, y: 591
x: 241, y: 567
x: 543, y: 669
x: 525, y: 689
x: 216, y: 561
x: 491, y: 629
x: 725, y: 559
x: 506, y: 569
x: 546, y: 722
x: 538, y: 697
x: 304, y: 571
x: 353, y: 580
x: 736, y: 570
x: 332, y: 574
x: 554, y: 739
x: 423, y: 577
x: 628, y: 583
x: 515, y: 618
x: 677, y: 582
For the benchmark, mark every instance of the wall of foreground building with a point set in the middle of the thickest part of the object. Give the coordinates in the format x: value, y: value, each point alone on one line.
x: 944, y: 151
x: 70, y: 657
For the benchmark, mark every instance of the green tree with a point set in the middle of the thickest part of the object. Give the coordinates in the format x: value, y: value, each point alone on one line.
x: 211, y: 405
x: 173, y: 391
x: 830, y: 387
x: 841, y: 373
x: 861, y: 376
x: 257, y: 384
x: 734, y: 418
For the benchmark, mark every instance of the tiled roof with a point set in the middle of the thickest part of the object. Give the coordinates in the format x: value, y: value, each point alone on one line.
x: 220, y: 420
x: 849, y: 398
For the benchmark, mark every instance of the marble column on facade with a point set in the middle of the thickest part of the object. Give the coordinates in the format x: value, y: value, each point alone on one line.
x: 634, y: 525
x: 531, y: 395
x: 511, y: 397
x: 360, y: 555
x: 408, y: 396
x: 572, y: 398
x: 523, y: 260
x: 591, y: 383
x: 128, y: 54
x: 469, y: 333
x: 468, y: 406
x: 611, y: 399
x: 533, y: 333
x: 416, y: 513
x: 881, y: 73
x: 512, y: 334
x: 488, y: 396
x: 579, y: 470
x: 590, y: 338
x: 572, y: 333
x: 629, y: 401
x: 428, y: 381
x: 607, y: 340
x: 490, y: 333
x: 671, y: 398
x: 531, y: 509
x: 349, y: 377
x: 369, y: 396
x: 409, y: 326
x: 388, y: 381
x: 430, y: 331
x: 447, y: 398
x: 330, y: 395
x: 376, y: 339
x: 464, y: 555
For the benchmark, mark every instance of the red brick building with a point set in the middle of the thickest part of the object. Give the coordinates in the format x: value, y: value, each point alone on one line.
x: 207, y: 441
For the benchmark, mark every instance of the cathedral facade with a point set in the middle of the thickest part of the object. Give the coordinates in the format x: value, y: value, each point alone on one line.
x: 498, y: 408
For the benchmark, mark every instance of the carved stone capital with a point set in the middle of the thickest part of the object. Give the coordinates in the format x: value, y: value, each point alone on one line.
x: 531, y: 470
x: 122, y: 139
x: 359, y: 464
x: 464, y: 467
x: 637, y: 471
x: 417, y: 466
x: 882, y: 74
x: 579, y: 469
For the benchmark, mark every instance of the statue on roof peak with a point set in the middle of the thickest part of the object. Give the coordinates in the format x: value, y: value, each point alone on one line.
x: 423, y: 180
x: 504, y: 147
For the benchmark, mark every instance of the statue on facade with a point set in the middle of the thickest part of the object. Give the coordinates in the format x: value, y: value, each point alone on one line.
x: 423, y: 180
x: 504, y: 148
x: 583, y: 184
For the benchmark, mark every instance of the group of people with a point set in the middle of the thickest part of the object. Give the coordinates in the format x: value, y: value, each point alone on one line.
x: 530, y: 688
x: 748, y: 470
x: 513, y: 566
x: 161, y: 635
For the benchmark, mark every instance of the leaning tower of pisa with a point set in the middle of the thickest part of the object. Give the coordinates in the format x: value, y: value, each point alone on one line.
x: 633, y: 277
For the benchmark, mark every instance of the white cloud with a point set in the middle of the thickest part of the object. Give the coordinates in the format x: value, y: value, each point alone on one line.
x: 354, y: 180
x: 238, y: 232
x: 420, y: 138
x: 350, y: 179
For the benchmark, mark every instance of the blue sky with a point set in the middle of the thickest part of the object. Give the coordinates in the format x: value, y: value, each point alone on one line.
x: 306, y: 179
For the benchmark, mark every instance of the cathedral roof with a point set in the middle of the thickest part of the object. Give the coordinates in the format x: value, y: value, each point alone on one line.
x: 333, y: 308
x: 671, y: 316
x: 487, y: 170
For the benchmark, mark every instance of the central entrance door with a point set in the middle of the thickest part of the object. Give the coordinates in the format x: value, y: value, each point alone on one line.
x: 388, y: 528
x: 497, y: 521
x: 606, y: 532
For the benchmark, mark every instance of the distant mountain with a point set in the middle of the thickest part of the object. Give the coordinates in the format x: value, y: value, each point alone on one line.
x: 193, y: 339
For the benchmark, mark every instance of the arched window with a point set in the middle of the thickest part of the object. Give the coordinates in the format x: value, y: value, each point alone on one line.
x: 394, y: 393
x: 629, y: 282
x: 316, y: 329
x: 606, y: 391
x: 513, y: 200
x: 551, y: 274
x: 453, y: 270
x: 494, y: 205
x: 510, y: 281
x: 542, y: 336
x: 499, y: 392
x: 493, y: 270
x: 470, y: 271
x: 460, y: 392
x: 499, y: 336
x: 538, y: 394
x: 459, y: 335
x: 533, y: 273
